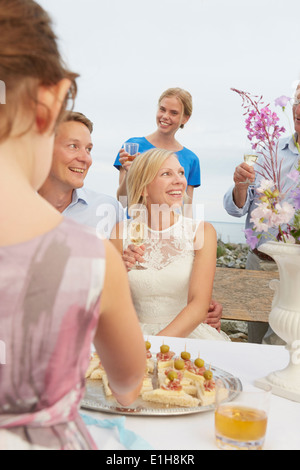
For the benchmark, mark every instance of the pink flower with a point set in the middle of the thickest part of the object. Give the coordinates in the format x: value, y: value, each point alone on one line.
x: 282, y: 101
x: 251, y: 238
x: 285, y: 212
x: 271, y: 212
x: 260, y: 217
x: 294, y: 175
x: 296, y: 196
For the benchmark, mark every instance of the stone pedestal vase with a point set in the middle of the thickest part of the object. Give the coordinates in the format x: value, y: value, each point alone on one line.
x: 285, y: 316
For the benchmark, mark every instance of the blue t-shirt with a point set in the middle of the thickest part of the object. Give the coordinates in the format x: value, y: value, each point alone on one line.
x: 187, y: 159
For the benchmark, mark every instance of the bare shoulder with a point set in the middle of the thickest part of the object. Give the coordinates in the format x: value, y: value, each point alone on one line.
x: 205, y: 235
x: 209, y: 229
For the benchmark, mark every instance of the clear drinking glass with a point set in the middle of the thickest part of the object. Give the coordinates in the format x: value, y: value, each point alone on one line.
x: 250, y: 158
x: 241, y: 423
x: 132, y: 149
x: 138, y: 229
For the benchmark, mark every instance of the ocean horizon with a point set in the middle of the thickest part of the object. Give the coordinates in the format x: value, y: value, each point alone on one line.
x: 229, y: 232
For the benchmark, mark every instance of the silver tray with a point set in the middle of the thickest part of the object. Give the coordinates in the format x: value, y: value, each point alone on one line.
x: 96, y: 400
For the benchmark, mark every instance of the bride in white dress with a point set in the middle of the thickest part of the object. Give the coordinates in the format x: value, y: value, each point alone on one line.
x: 172, y: 287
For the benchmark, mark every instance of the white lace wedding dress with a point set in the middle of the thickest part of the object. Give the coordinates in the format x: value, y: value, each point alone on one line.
x: 160, y: 291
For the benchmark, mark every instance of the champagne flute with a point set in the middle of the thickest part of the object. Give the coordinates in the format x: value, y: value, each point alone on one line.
x: 250, y: 158
x: 137, y: 232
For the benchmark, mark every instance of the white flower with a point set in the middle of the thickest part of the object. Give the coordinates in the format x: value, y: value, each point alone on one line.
x: 285, y: 213
x: 265, y: 185
x: 260, y: 217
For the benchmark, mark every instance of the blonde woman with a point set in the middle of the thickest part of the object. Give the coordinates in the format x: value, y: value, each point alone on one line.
x: 174, y: 111
x: 172, y: 289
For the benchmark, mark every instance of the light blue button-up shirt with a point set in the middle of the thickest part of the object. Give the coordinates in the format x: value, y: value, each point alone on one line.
x: 287, y: 154
x: 95, y: 210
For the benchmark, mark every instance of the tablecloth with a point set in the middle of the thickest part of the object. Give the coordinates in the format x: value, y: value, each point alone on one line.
x: 246, y: 361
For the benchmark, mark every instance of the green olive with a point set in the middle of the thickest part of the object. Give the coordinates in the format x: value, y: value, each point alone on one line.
x: 172, y: 375
x: 148, y: 345
x: 208, y: 375
x: 185, y: 355
x: 199, y: 362
x: 179, y: 364
x: 164, y: 348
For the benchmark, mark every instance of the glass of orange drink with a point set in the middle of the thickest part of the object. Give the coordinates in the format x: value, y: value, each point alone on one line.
x: 241, y: 418
x: 132, y: 149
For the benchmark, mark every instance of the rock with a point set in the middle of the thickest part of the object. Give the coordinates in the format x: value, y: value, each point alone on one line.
x: 232, y: 255
x: 236, y: 330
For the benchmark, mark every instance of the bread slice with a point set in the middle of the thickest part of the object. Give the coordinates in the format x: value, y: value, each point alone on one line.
x: 171, y: 397
x: 98, y: 373
x: 206, y: 392
x: 147, y: 385
x: 206, y: 397
x: 150, y: 366
x: 106, y: 387
x: 187, y: 385
x: 94, y: 363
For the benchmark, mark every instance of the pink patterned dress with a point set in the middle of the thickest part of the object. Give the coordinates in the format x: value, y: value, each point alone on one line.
x: 50, y: 289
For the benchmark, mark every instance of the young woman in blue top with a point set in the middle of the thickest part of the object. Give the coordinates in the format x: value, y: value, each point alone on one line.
x: 174, y: 111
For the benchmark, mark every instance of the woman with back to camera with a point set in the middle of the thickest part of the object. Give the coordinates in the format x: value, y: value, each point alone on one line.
x: 174, y: 111
x: 57, y: 280
x: 172, y: 288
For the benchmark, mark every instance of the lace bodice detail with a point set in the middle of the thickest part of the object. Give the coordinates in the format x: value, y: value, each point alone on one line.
x: 160, y: 291
x: 167, y: 246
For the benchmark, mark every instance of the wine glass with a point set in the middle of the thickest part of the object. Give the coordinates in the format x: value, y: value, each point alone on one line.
x: 137, y: 232
x: 250, y: 158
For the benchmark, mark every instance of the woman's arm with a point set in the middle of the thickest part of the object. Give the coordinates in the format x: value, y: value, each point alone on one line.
x: 118, y: 339
x: 200, y: 287
x: 190, y: 193
x: 122, y: 189
x: 188, y: 205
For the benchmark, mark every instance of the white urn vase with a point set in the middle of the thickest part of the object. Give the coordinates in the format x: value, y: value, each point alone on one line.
x: 284, y: 318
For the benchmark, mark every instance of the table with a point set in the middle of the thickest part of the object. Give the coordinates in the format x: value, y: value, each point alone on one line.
x: 244, y: 294
x: 247, y: 361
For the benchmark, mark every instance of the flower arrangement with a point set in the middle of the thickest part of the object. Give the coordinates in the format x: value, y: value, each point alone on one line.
x: 272, y: 211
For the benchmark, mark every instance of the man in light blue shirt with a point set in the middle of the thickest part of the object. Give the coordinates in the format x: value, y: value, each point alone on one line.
x: 241, y: 200
x: 95, y: 210
x: 64, y: 186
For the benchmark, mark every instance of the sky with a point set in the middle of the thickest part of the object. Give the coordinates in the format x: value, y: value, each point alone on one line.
x: 128, y: 52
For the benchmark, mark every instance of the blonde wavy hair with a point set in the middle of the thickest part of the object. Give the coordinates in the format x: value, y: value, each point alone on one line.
x: 142, y: 172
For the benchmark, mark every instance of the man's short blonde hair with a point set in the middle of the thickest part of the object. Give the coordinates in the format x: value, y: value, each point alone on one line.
x: 78, y: 117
